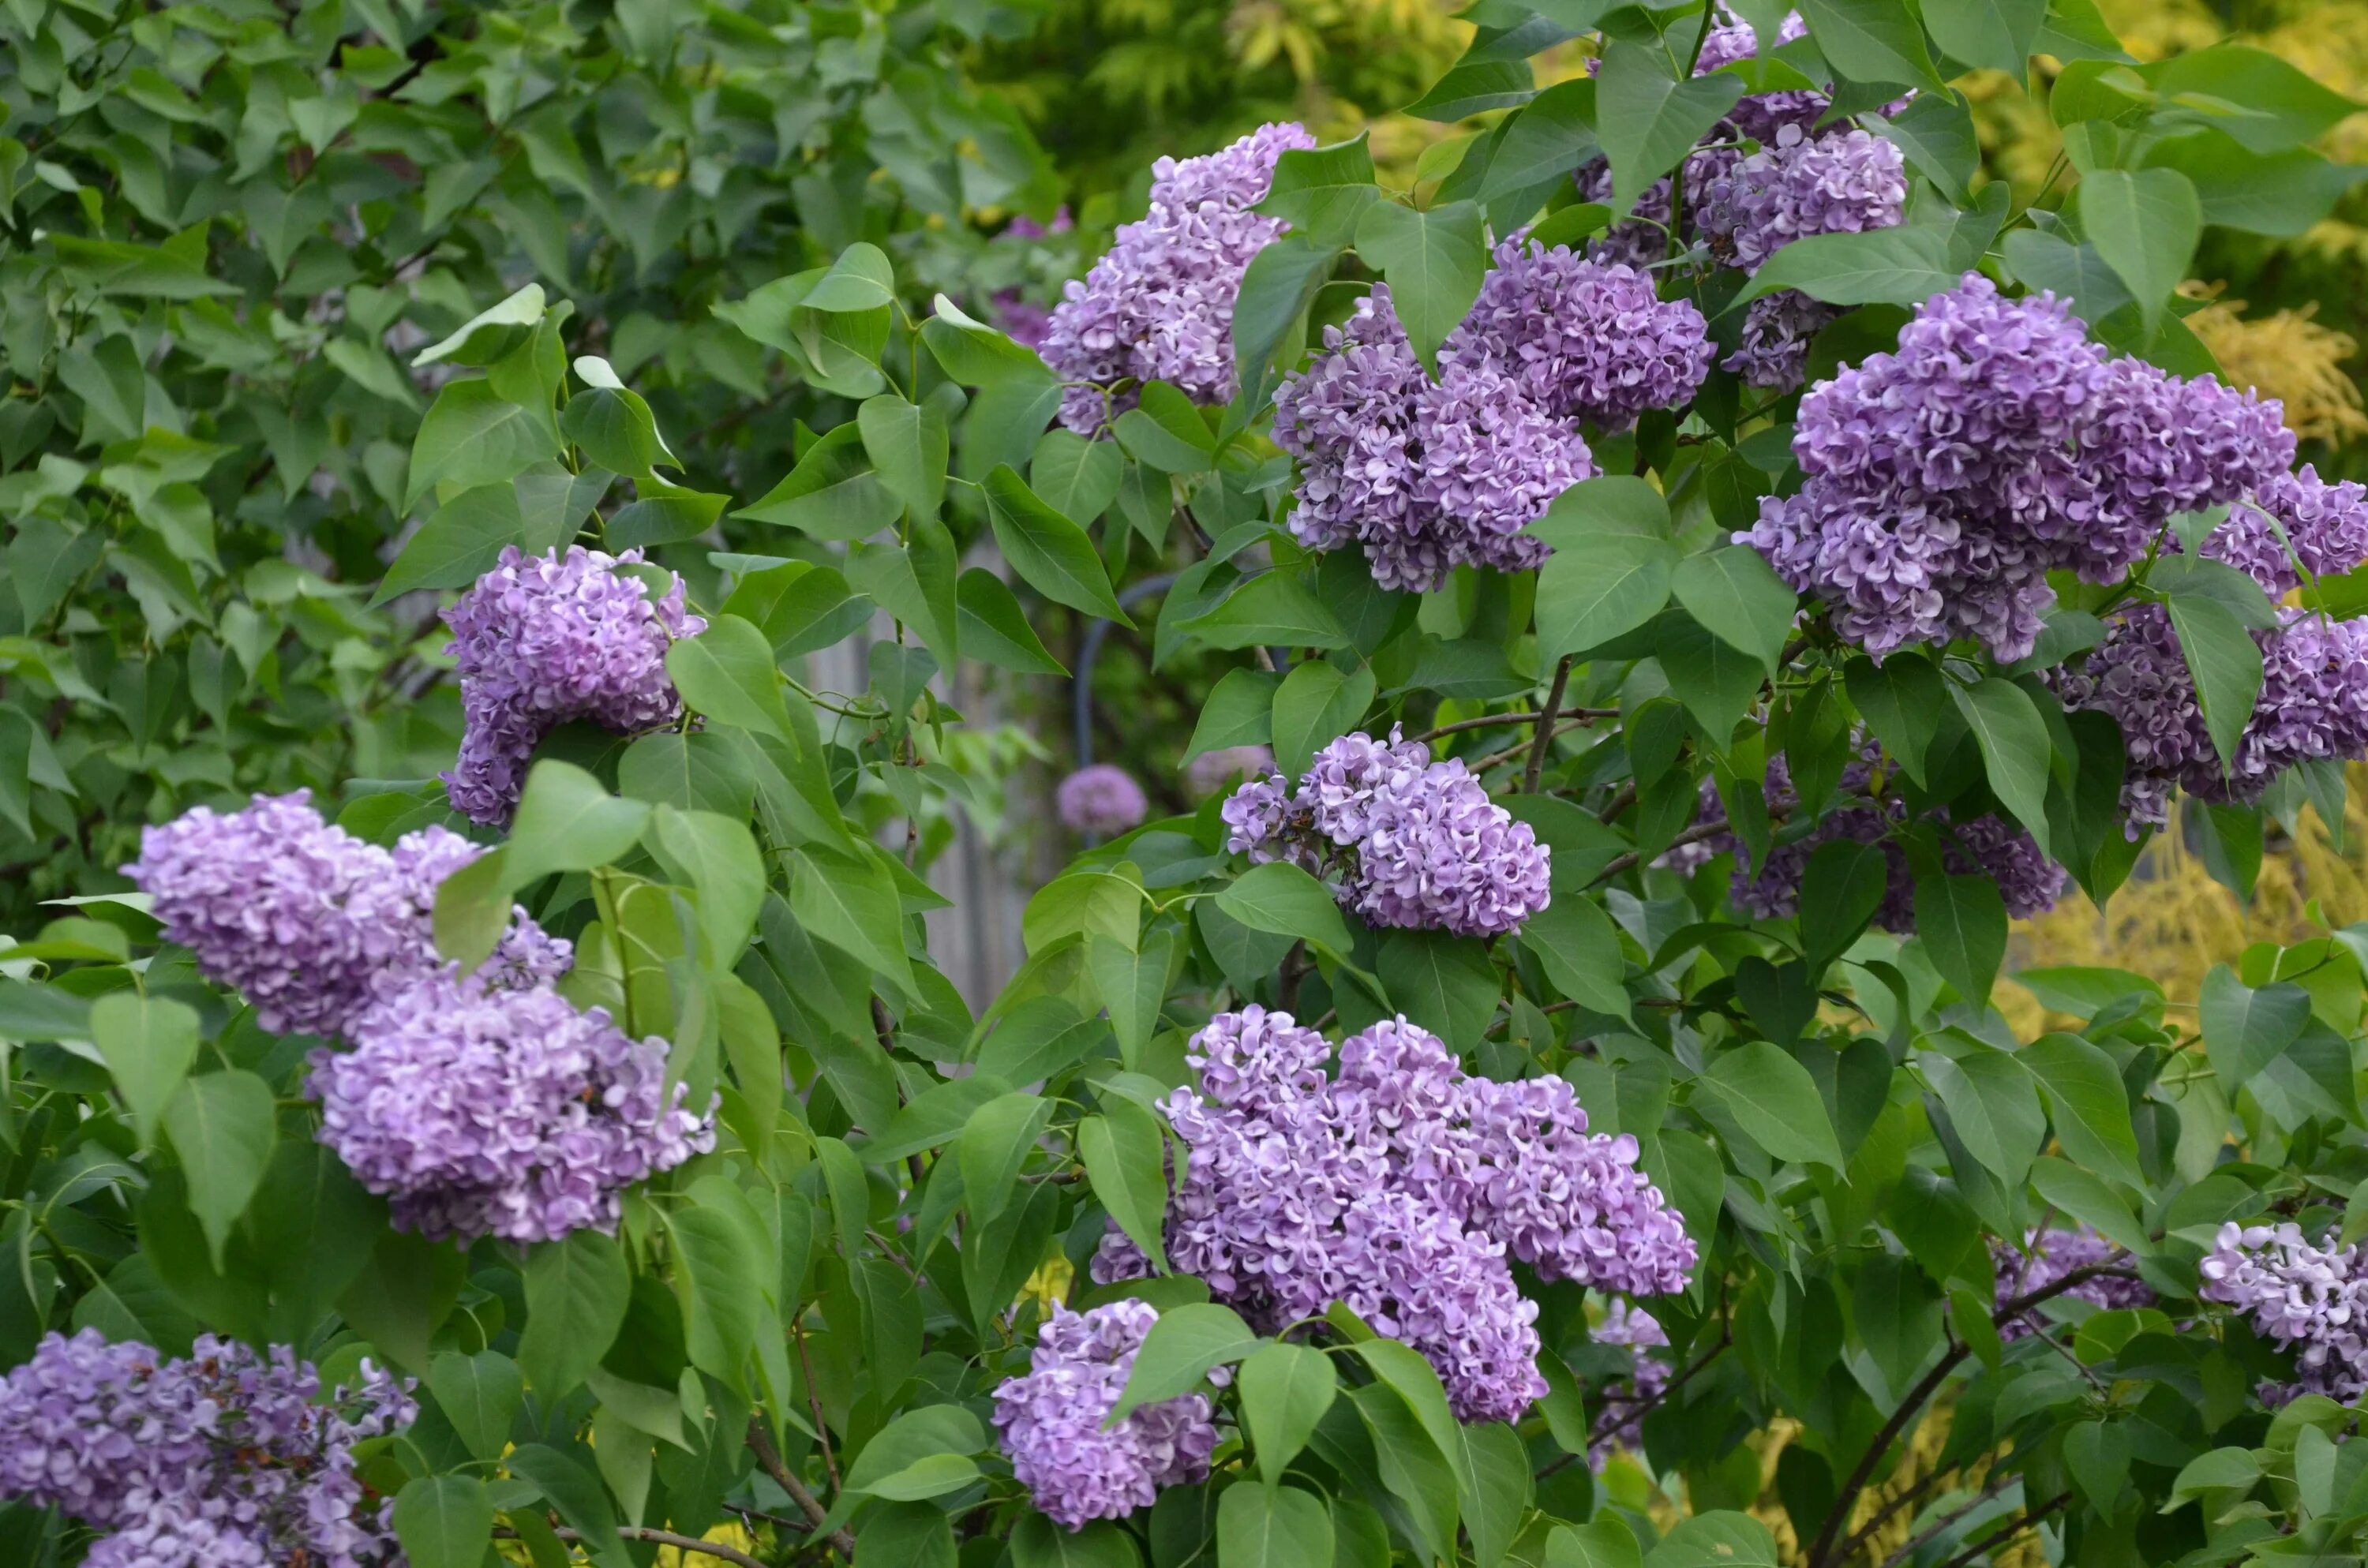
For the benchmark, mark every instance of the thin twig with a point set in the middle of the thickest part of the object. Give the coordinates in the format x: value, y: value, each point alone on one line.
x: 1939, y: 1525
x: 1487, y: 721
x: 761, y: 1442
x: 813, y: 1403
x: 1875, y: 1524
x: 1622, y: 799
x: 1545, y: 742
x: 1693, y: 835
x: 663, y: 1538
x: 2010, y: 1530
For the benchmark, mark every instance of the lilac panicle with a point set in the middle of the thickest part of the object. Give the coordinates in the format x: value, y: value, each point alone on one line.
x: 2310, y: 1299
x: 1102, y: 800
x: 1627, y: 1323
x: 1159, y: 306
x: 311, y: 924
x: 1050, y: 1420
x: 510, y: 1113
x: 2049, y: 1255
x: 1585, y: 339
x: 1407, y: 841
x: 541, y: 640
x: 222, y: 1458
x: 1845, y: 182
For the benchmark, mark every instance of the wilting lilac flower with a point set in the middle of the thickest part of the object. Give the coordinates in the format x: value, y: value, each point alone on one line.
x: 1400, y: 1188
x: 541, y: 640
x: 1584, y: 339
x: 1845, y: 182
x: 1159, y: 306
x: 1050, y: 1421
x: 2046, y: 1256
x: 223, y: 1457
x: 504, y: 1113
x: 2313, y: 705
x: 2294, y: 516
x: 1624, y: 1323
x: 1945, y: 480
x: 1409, y: 842
x: 1214, y: 771
x: 307, y: 922
x: 2313, y: 1300
x: 1101, y: 800
x: 1777, y: 331
x: 1426, y: 476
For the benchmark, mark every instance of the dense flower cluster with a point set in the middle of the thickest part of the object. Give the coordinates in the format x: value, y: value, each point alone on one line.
x: 311, y: 924
x: 1159, y: 306
x: 1944, y: 481
x: 1584, y: 339
x: 1628, y: 1325
x: 541, y: 640
x: 2311, y: 1299
x: 1101, y: 800
x: 2047, y: 1256
x: 1427, y: 475
x: 1843, y: 183
x: 1407, y: 842
x: 2313, y: 705
x: 1051, y: 1420
x: 224, y: 1458
x: 2294, y: 518
x: 1400, y: 1187
x: 483, y: 1112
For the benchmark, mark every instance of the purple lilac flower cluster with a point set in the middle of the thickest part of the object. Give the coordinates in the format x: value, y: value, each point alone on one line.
x: 1409, y: 842
x: 541, y: 640
x: 2046, y: 1256
x: 1159, y: 306
x: 1843, y: 183
x: 1401, y: 1187
x: 2311, y: 1299
x: 2313, y: 705
x: 1629, y: 1325
x: 2296, y: 520
x: 481, y: 1112
x: 309, y: 923
x: 1427, y: 475
x: 1584, y: 339
x: 1051, y: 1420
x: 1101, y: 800
x: 1944, y: 481
x: 223, y: 1457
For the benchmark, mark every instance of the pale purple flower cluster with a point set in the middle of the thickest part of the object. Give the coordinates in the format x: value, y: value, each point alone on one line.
x: 1220, y: 769
x: 2047, y: 1256
x: 1159, y: 306
x: 1051, y: 1420
x: 1629, y: 1325
x: 311, y: 924
x: 1427, y: 475
x: 1400, y: 1188
x: 1407, y: 842
x: 1773, y: 352
x: 2313, y: 705
x: 223, y: 1457
x: 2312, y: 1299
x: 483, y: 1112
x: 1584, y: 339
x: 541, y: 640
x: 1843, y: 182
x: 2294, y: 518
x: 1944, y: 481
x: 1101, y: 800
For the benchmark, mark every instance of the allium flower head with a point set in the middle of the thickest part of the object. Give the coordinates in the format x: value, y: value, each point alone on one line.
x: 1407, y: 841
x: 2047, y: 1256
x: 1159, y: 306
x: 307, y: 922
x: 541, y: 640
x: 1050, y: 1421
x: 1400, y: 1187
x: 2311, y: 1299
x: 224, y: 1458
x: 483, y: 1112
x: 1584, y: 339
x: 1101, y: 800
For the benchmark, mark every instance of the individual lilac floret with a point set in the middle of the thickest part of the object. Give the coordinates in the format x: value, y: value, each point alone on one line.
x: 1221, y: 768
x: 1843, y: 182
x: 1400, y: 1188
x: 1944, y: 481
x: 1101, y: 800
x: 1051, y: 1420
x: 1409, y: 842
x: 2047, y: 1256
x: 2313, y: 706
x: 222, y: 1458
x: 1159, y: 306
x: 481, y: 1112
x: 2295, y: 517
x: 541, y: 640
x: 1427, y: 475
x: 2313, y: 1300
x: 307, y: 922
x: 1584, y: 339
x: 1629, y: 1325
